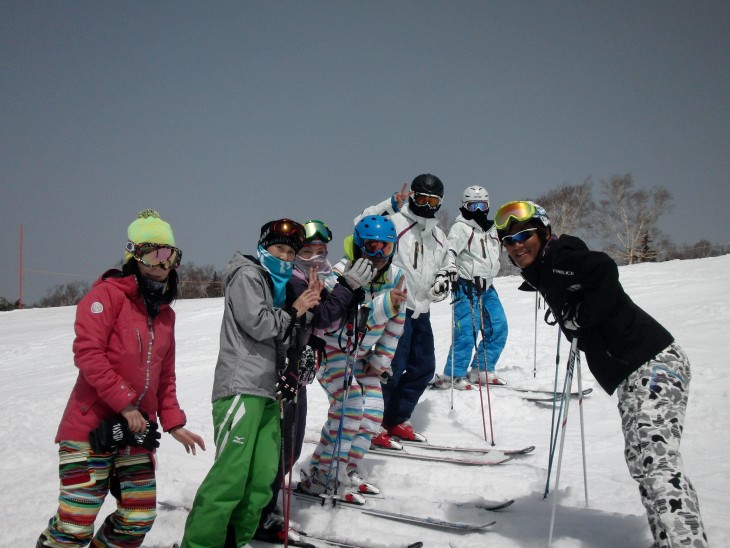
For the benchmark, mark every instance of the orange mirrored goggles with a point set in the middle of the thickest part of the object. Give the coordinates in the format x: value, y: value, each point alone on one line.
x: 513, y: 212
x: 154, y: 255
x: 431, y: 200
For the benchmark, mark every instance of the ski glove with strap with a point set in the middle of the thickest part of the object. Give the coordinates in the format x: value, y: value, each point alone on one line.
x: 114, y: 433
x: 451, y: 273
x: 440, y: 288
x: 360, y: 273
x: 287, y: 384
x: 569, y: 318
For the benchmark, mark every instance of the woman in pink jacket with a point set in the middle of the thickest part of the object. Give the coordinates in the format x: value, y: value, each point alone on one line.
x: 125, y: 352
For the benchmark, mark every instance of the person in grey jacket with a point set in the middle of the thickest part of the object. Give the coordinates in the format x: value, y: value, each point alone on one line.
x: 255, y: 333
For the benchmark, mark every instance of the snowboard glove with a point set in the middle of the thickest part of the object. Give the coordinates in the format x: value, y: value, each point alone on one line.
x: 148, y: 438
x: 114, y: 433
x: 108, y: 435
x: 360, y: 273
x: 440, y: 288
x: 288, y: 383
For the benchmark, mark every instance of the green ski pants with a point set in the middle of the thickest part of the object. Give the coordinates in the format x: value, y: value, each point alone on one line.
x: 238, y: 485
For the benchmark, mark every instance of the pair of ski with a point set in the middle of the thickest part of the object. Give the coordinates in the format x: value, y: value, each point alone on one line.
x: 499, y: 456
x: 538, y: 395
x: 304, y: 542
x: 399, y: 516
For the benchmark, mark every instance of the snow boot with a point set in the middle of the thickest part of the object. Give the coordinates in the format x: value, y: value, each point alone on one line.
x: 358, y: 484
x: 405, y: 431
x: 384, y: 441
x: 443, y: 382
x: 272, y: 531
x: 315, y: 481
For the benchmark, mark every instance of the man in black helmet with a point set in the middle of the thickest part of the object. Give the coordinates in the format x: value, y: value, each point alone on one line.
x: 421, y: 254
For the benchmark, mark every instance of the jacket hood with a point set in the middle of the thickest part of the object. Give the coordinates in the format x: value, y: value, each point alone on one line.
x: 127, y: 284
x: 239, y: 260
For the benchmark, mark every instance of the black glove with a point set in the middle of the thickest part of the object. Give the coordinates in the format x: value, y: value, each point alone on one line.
x: 108, y: 436
x: 288, y: 383
x: 147, y: 438
x: 114, y: 433
x: 569, y: 318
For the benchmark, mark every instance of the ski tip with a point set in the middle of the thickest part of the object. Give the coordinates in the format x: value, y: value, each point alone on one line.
x: 415, y: 545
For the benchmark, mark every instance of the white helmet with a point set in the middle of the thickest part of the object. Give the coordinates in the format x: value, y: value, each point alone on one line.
x: 475, y: 194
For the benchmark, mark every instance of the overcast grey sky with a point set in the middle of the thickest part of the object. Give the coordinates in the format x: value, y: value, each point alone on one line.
x: 223, y: 115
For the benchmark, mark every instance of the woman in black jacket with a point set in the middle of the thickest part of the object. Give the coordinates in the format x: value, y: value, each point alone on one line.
x: 627, y: 351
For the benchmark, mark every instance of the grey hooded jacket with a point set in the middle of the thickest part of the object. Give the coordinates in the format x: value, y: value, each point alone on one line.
x: 254, y: 334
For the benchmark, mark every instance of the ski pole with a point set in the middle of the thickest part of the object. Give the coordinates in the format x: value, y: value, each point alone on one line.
x: 582, y: 429
x: 486, y: 364
x: 350, y: 358
x: 453, y: 337
x: 534, y: 349
x: 476, y: 350
x: 554, y: 421
x: 566, y: 397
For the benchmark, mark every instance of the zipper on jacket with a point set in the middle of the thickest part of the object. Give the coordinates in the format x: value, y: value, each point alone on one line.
x: 149, y: 361
x: 415, y: 255
x: 484, y: 248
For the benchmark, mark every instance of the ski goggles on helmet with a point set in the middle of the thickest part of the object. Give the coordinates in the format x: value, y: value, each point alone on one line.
x: 378, y: 247
x: 431, y: 200
x: 477, y: 206
x: 519, y: 238
x: 513, y: 211
x: 317, y: 231
x: 154, y: 255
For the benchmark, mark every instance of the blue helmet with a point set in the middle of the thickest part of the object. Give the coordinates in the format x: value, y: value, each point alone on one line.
x: 375, y: 228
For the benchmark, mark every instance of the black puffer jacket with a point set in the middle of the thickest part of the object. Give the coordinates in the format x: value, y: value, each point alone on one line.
x: 616, y: 335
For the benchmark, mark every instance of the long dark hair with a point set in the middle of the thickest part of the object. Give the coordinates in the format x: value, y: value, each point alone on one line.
x: 171, y: 293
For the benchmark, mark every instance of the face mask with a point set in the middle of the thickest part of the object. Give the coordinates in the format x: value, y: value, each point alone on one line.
x: 280, y: 272
x: 305, y: 265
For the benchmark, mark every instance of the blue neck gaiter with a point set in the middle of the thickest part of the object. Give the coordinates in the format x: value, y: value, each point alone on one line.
x: 280, y: 272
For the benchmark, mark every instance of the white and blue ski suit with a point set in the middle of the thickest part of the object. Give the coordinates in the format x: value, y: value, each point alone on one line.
x: 474, y: 254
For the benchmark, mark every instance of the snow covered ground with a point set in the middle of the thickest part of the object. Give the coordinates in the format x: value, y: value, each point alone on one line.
x: 690, y: 298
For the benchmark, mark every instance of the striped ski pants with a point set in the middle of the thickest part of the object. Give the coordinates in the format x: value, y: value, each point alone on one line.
x: 86, y: 478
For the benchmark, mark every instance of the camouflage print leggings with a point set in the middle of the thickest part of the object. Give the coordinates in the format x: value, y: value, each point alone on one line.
x: 652, y: 403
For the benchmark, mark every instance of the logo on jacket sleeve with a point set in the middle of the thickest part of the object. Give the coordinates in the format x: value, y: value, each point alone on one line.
x: 97, y: 307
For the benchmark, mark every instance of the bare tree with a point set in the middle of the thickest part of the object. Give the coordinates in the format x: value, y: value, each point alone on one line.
x: 630, y: 216
x: 196, y: 282
x: 65, y: 294
x: 6, y: 305
x: 570, y: 208
x: 698, y: 250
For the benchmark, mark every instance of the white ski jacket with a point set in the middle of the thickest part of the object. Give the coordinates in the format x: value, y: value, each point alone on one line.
x: 473, y: 251
x: 422, y: 251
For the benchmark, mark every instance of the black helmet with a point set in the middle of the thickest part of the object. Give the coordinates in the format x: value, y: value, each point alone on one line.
x: 428, y: 184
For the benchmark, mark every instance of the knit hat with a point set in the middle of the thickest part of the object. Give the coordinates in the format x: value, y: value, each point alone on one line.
x: 149, y: 227
x: 283, y: 231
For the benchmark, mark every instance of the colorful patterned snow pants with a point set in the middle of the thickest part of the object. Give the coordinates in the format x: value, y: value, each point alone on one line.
x: 363, y: 415
x: 652, y: 403
x: 85, y: 482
